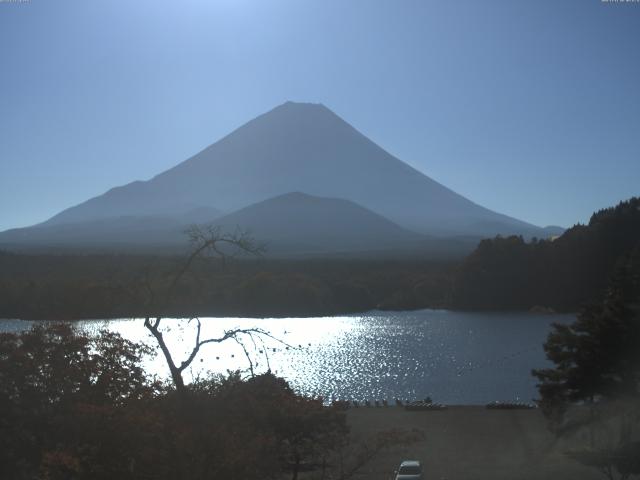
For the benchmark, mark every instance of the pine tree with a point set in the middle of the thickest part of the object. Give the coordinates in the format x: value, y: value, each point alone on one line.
x: 598, y: 356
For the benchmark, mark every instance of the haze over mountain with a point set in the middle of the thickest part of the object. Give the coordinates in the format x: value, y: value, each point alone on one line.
x: 293, y: 224
x: 300, y: 147
x: 297, y: 223
x: 296, y: 147
x: 110, y: 233
x: 153, y: 230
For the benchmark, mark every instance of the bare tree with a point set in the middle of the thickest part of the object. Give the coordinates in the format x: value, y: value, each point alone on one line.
x: 205, y: 240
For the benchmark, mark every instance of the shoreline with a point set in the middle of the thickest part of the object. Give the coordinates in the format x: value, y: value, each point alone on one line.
x: 253, y: 316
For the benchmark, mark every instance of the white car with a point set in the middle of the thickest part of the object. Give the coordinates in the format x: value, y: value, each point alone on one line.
x: 409, y: 470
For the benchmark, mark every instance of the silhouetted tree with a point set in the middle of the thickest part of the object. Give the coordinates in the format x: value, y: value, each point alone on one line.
x: 54, y: 378
x: 598, y: 355
x: 565, y: 273
x: 209, y: 240
x: 79, y: 407
x: 597, y: 363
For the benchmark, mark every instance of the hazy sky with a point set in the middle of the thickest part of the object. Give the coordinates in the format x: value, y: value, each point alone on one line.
x: 530, y: 108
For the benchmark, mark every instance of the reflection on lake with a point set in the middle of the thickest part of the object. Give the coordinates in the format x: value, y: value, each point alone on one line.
x: 454, y: 357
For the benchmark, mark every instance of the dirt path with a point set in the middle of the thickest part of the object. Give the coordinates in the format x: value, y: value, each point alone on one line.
x: 470, y: 443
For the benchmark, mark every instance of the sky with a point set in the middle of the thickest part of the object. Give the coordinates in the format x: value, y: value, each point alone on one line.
x: 530, y: 108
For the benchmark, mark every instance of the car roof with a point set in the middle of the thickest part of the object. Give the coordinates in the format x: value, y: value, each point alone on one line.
x: 410, y: 463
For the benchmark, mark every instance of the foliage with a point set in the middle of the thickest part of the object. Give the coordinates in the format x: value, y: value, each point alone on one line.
x: 597, y: 356
x: 115, y: 286
x: 297, y: 432
x: 563, y: 273
x: 597, y: 369
x: 50, y: 377
x: 74, y: 406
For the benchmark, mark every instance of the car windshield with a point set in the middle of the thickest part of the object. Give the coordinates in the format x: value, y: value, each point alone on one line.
x: 409, y: 470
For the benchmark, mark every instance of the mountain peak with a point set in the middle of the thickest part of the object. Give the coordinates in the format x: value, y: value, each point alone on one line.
x: 300, y: 110
x: 301, y: 147
x: 292, y: 104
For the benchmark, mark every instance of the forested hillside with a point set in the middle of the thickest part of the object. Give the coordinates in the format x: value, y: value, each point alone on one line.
x: 562, y: 274
x: 112, y: 286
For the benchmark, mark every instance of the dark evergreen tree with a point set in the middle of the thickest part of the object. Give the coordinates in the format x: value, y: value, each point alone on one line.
x: 598, y: 356
x: 564, y: 273
x: 597, y: 363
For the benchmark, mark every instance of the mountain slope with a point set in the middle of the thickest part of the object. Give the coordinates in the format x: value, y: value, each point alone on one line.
x: 300, y: 223
x: 123, y: 231
x: 293, y: 224
x: 306, y: 148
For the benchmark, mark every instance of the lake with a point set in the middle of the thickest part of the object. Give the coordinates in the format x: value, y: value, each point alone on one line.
x: 453, y: 357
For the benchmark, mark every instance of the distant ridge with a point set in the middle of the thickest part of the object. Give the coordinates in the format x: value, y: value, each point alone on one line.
x: 116, y: 232
x: 300, y: 223
x: 307, y: 148
x: 296, y: 147
x: 290, y: 225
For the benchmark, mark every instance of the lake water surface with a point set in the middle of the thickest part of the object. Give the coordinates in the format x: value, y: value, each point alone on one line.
x: 454, y: 357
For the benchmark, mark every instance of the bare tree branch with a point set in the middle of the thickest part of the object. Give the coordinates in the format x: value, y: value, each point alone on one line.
x: 211, y: 240
x: 246, y: 354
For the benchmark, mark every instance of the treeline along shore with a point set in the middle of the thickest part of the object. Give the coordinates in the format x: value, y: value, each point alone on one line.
x: 563, y: 274
x: 504, y: 273
x: 114, y: 286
